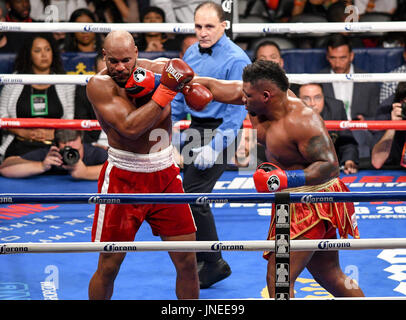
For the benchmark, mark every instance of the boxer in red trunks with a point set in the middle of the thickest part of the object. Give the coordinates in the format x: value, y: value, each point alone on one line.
x: 301, y: 156
x: 131, y: 105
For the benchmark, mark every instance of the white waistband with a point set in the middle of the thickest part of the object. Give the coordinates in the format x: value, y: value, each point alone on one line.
x: 135, y: 162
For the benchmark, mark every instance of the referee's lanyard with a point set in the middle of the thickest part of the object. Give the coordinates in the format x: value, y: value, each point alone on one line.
x: 39, y: 104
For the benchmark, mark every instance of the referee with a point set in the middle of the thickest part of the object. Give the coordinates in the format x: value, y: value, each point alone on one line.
x: 216, y: 56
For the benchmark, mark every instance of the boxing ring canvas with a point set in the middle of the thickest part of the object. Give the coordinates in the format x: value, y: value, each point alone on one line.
x: 151, y: 275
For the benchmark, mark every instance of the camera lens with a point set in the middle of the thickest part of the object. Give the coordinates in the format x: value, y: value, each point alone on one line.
x: 403, y: 111
x: 69, y: 155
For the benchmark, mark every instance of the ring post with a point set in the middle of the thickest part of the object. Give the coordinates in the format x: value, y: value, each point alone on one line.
x: 282, y: 246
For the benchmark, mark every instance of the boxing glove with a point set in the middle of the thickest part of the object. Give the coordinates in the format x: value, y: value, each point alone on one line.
x: 270, y: 178
x: 141, y: 82
x: 175, y: 74
x: 197, y: 96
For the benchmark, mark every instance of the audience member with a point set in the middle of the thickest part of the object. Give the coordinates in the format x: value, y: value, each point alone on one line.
x: 390, y: 146
x: 18, y: 11
x: 5, y: 45
x: 332, y: 109
x: 68, y: 155
x: 39, y: 55
x: 155, y: 41
x: 83, y: 107
x: 217, y: 56
x: 83, y: 41
x: 181, y: 11
x: 361, y: 99
x: 315, y: 7
x: 388, y: 88
x: 187, y: 41
x: 268, y: 50
x: 54, y: 10
x: 385, y: 6
x: 112, y: 11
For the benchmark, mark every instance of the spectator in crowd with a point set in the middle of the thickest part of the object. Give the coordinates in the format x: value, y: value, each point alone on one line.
x: 39, y: 55
x: 389, y: 149
x: 155, y: 41
x: 18, y: 11
x: 332, y: 109
x: 361, y: 99
x: 268, y: 50
x: 217, y: 56
x: 187, y: 41
x: 5, y: 44
x: 68, y: 155
x: 83, y: 107
x: 316, y: 7
x: 83, y: 41
x: 382, y: 6
x: 388, y: 88
x: 109, y: 11
x: 181, y: 11
x: 54, y: 10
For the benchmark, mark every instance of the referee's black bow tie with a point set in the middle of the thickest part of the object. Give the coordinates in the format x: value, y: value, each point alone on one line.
x: 205, y: 50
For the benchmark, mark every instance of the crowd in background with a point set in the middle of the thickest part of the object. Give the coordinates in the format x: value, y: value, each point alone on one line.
x: 41, y: 54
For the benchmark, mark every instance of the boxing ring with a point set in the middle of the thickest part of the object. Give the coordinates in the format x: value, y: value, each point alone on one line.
x: 52, y: 215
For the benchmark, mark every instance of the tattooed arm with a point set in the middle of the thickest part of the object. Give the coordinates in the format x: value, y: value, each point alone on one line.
x: 316, y: 147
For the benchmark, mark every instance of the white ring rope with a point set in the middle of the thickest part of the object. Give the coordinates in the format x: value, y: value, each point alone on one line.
x: 241, y: 28
x: 202, y: 246
x: 24, y: 79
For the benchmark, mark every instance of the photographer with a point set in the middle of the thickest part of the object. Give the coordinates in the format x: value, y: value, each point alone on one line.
x: 68, y: 155
x: 389, y: 150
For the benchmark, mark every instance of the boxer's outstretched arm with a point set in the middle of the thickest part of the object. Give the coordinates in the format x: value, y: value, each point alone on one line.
x: 225, y: 91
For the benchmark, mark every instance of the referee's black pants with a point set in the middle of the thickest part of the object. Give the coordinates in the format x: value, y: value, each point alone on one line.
x: 203, y: 181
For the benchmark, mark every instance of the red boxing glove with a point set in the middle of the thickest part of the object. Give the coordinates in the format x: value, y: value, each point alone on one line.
x: 176, y: 74
x: 271, y: 178
x: 197, y: 96
x: 140, y: 83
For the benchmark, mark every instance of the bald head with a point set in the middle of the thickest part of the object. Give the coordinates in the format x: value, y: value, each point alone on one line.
x: 120, y: 54
x: 119, y: 38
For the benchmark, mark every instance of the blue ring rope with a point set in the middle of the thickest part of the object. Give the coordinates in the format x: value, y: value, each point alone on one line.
x: 194, y: 198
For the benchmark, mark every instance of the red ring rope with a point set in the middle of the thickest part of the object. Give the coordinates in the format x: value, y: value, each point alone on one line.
x: 79, y: 124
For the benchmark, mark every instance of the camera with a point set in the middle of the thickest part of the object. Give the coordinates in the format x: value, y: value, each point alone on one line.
x: 69, y: 155
x: 403, y: 111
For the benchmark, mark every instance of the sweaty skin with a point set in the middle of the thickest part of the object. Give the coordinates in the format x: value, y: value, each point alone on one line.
x: 294, y: 135
x: 127, y: 127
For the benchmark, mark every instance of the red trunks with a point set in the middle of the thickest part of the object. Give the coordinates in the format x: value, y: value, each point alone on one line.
x: 120, y: 222
x: 320, y: 220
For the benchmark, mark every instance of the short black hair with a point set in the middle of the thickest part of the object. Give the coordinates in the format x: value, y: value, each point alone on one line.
x: 157, y: 10
x: 266, y: 43
x: 400, y: 92
x: 266, y: 70
x: 338, y: 40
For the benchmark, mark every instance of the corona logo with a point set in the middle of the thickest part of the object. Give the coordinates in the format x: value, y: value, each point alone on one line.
x: 98, y: 200
x: 218, y: 246
x: 326, y: 245
x: 311, y: 199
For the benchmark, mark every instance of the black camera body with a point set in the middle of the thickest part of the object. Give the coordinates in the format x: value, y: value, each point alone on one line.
x: 403, y: 114
x: 70, y: 156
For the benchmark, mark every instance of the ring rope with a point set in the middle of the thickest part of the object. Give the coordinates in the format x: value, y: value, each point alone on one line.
x: 203, y: 246
x: 241, y: 28
x: 299, y: 78
x: 81, y: 124
x: 199, y: 198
